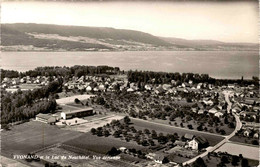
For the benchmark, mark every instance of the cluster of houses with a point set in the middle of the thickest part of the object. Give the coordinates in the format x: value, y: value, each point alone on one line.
x: 192, y: 142
x: 250, y: 132
x: 171, y: 88
x: 92, y: 83
x: 189, y: 142
x: 13, y: 84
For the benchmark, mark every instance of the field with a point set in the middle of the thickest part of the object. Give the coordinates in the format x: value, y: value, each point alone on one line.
x: 214, y: 161
x: 243, y: 139
x: 31, y: 136
x: 68, y: 151
x: 194, y: 125
x: 4, y: 161
x: 249, y: 152
x: 141, y: 124
x: 71, y: 99
x: 29, y: 86
x: 99, y: 144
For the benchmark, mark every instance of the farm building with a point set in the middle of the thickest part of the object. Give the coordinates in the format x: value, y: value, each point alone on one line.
x: 198, y: 143
x: 77, y: 113
x: 46, y: 118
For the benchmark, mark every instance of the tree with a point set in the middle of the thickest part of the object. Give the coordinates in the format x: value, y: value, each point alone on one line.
x: 101, y: 101
x: 127, y: 120
x: 146, y: 131
x: 224, y: 159
x: 199, y: 163
x: 77, y: 101
x: 244, y: 162
x: 106, y: 133
x: 190, y: 126
x: 235, y: 160
x: 255, y: 142
x: 154, y: 134
x: 116, y: 134
x: 113, y: 152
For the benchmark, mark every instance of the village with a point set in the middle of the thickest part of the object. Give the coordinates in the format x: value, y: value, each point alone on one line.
x: 168, y: 124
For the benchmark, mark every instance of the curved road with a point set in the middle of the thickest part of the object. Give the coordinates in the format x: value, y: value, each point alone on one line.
x: 238, y: 127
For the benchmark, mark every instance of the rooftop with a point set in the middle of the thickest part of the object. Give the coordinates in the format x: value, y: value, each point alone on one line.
x: 78, y: 111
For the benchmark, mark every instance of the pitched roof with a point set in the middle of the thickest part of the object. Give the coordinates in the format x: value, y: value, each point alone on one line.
x: 44, y: 116
x: 159, y: 156
x: 188, y: 136
x: 78, y: 111
x: 180, y: 143
x: 201, y: 140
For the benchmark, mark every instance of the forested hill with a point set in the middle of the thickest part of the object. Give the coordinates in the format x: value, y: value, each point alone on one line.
x: 55, y: 37
x: 45, y: 37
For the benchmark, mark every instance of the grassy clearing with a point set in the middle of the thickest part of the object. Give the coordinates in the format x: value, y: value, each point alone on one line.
x: 31, y: 136
x: 29, y: 86
x: 214, y: 161
x: 4, y: 161
x: 100, y: 144
x: 249, y: 152
x: 71, y: 99
x: 242, y: 139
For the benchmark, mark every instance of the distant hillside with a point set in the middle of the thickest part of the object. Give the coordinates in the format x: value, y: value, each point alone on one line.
x: 55, y: 37
x: 210, y: 44
x: 44, y: 37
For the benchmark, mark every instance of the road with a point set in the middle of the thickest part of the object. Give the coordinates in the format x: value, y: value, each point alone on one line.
x: 238, y: 127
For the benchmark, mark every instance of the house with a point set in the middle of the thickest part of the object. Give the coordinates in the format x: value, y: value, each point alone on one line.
x: 236, y: 109
x: 198, y: 143
x: 194, y: 110
x: 166, y: 86
x: 208, y: 102
x: 180, y: 143
x: 101, y: 87
x: 130, y: 90
x: 249, y: 102
x: 213, y: 110
x: 232, y: 86
x: 184, y: 85
x: 247, y: 132
x: 148, y: 87
x: 218, y: 114
x: 256, y: 136
x: 77, y: 113
x: 95, y: 89
x: 201, y: 111
x: 199, y: 86
x: 150, y: 156
x: 173, y: 82
x: 46, y: 118
x: 161, y: 158
x: 123, y: 149
x: 88, y: 88
x: 159, y: 89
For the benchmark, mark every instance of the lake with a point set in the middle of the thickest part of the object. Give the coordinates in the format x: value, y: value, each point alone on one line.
x: 218, y: 64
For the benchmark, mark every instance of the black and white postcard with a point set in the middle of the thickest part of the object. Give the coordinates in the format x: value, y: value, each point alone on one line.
x: 129, y: 83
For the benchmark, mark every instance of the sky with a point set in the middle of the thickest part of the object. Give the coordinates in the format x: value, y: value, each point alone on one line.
x: 223, y: 21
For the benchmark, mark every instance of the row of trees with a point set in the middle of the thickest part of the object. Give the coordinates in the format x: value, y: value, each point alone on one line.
x: 76, y: 70
x: 164, y: 78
